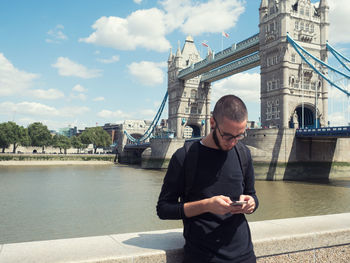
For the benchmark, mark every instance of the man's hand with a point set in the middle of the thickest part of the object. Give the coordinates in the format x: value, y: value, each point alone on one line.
x: 246, y: 208
x: 220, y: 205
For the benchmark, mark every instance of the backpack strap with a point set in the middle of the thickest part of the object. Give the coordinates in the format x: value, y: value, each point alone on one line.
x: 242, y: 153
x: 190, y: 164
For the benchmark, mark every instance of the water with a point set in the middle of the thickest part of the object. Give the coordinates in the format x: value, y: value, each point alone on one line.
x: 51, y: 202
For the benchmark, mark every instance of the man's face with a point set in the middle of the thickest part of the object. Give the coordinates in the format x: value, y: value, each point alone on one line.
x: 228, y: 132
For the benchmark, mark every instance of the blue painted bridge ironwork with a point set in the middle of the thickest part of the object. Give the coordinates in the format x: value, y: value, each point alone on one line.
x: 338, y: 132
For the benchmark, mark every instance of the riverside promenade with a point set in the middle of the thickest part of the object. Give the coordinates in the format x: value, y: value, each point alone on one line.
x: 305, y: 239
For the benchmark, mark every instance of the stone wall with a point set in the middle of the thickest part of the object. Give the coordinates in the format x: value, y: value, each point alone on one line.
x: 160, y: 152
x: 318, y: 239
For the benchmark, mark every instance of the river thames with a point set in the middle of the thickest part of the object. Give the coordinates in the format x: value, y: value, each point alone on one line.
x: 54, y: 202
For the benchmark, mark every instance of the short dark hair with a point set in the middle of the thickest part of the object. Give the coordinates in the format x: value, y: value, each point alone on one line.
x: 231, y: 107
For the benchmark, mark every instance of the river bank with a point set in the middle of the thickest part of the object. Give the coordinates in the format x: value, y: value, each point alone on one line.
x: 53, y: 163
x: 55, y: 159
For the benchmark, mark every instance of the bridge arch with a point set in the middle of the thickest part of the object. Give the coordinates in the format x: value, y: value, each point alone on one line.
x: 296, y: 120
x: 192, y: 131
x: 135, y: 136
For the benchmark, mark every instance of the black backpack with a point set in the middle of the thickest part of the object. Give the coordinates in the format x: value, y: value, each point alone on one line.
x: 191, y: 156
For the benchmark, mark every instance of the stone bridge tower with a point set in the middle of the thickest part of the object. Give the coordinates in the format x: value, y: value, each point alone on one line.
x: 189, y: 100
x: 290, y: 89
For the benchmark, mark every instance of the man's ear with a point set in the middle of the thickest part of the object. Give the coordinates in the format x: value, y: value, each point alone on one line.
x: 212, y: 123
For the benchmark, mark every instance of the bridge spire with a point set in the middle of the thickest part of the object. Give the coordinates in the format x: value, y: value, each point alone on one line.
x: 264, y: 4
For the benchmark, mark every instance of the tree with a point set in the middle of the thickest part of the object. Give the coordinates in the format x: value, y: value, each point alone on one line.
x: 76, y: 143
x: 97, y: 136
x: 39, y: 135
x: 13, y: 134
x: 4, y: 142
x: 61, y: 142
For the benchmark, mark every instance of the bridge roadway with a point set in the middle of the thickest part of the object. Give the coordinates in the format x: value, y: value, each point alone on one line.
x: 324, y: 132
x: 233, y: 53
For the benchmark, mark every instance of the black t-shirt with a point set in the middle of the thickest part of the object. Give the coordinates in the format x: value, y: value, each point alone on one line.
x: 211, y: 237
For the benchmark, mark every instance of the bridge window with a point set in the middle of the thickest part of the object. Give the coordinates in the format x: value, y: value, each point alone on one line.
x: 193, y: 94
x: 194, y: 110
x: 187, y: 110
x: 307, y: 11
x: 173, y: 95
x: 302, y: 10
x: 307, y: 27
x: 293, y: 58
x: 185, y: 94
x: 313, y: 85
x: 302, y: 26
x: 312, y: 28
x: 296, y: 26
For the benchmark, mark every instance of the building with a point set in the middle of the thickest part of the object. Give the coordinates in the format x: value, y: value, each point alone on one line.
x: 289, y: 87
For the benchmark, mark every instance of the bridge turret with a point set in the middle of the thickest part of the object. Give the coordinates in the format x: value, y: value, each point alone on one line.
x: 283, y: 80
x: 189, y: 100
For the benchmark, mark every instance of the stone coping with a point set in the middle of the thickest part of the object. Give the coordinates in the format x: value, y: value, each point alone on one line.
x: 271, y: 237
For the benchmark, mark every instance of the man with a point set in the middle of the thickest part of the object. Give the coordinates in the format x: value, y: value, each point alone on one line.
x: 215, y: 230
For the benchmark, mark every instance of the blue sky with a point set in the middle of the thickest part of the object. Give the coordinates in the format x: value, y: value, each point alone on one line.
x: 78, y: 63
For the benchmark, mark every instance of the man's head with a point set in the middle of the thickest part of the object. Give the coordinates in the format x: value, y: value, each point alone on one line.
x: 229, y: 121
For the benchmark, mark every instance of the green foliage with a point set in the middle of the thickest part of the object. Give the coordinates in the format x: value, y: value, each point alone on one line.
x: 11, y: 133
x: 97, y: 136
x: 39, y: 135
x: 76, y: 143
x: 4, y: 143
x: 61, y: 142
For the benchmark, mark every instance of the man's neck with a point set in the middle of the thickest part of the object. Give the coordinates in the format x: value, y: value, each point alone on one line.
x: 208, y: 141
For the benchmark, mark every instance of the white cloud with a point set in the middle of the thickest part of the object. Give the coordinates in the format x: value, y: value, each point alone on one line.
x: 79, y: 88
x: 109, y: 60
x: 337, y: 119
x: 28, y: 108
x: 339, y: 20
x: 79, y: 96
x: 137, y: 1
x: 195, y: 18
x: 34, y: 109
x: 56, y: 35
x: 99, y: 99
x: 147, y: 27
x: 142, y: 28
x: 118, y: 114
x: 67, y: 67
x: 74, y: 111
x: 50, y: 94
x: 244, y: 85
x: 12, y: 80
x: 147, y: 72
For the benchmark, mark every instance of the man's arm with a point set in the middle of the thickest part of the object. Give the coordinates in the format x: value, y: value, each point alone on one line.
x: 169, y: 205
x: 249, y: 187
x: 217, y: 205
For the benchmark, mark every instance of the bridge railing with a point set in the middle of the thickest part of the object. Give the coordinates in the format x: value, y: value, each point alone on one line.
x: 247, y: 43
x: 341, y: 131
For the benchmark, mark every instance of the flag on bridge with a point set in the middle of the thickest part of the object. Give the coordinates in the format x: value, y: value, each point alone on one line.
x: 224, y: 34
x: 205, y: 44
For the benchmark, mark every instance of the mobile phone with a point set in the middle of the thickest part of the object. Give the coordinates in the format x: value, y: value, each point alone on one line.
x: 235, y: 203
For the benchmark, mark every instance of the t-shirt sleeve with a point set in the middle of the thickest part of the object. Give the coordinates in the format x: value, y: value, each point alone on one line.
x: 249, y: 188
x: 169, y: 205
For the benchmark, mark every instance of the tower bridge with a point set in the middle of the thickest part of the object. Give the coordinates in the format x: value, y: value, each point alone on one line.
x: 292, y: 51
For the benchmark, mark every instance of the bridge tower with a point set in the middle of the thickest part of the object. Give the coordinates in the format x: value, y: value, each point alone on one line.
x: 189, y: 100
x: 290, y: 89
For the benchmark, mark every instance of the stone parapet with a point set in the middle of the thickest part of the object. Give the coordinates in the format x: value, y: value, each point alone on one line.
x: 305, y: 239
